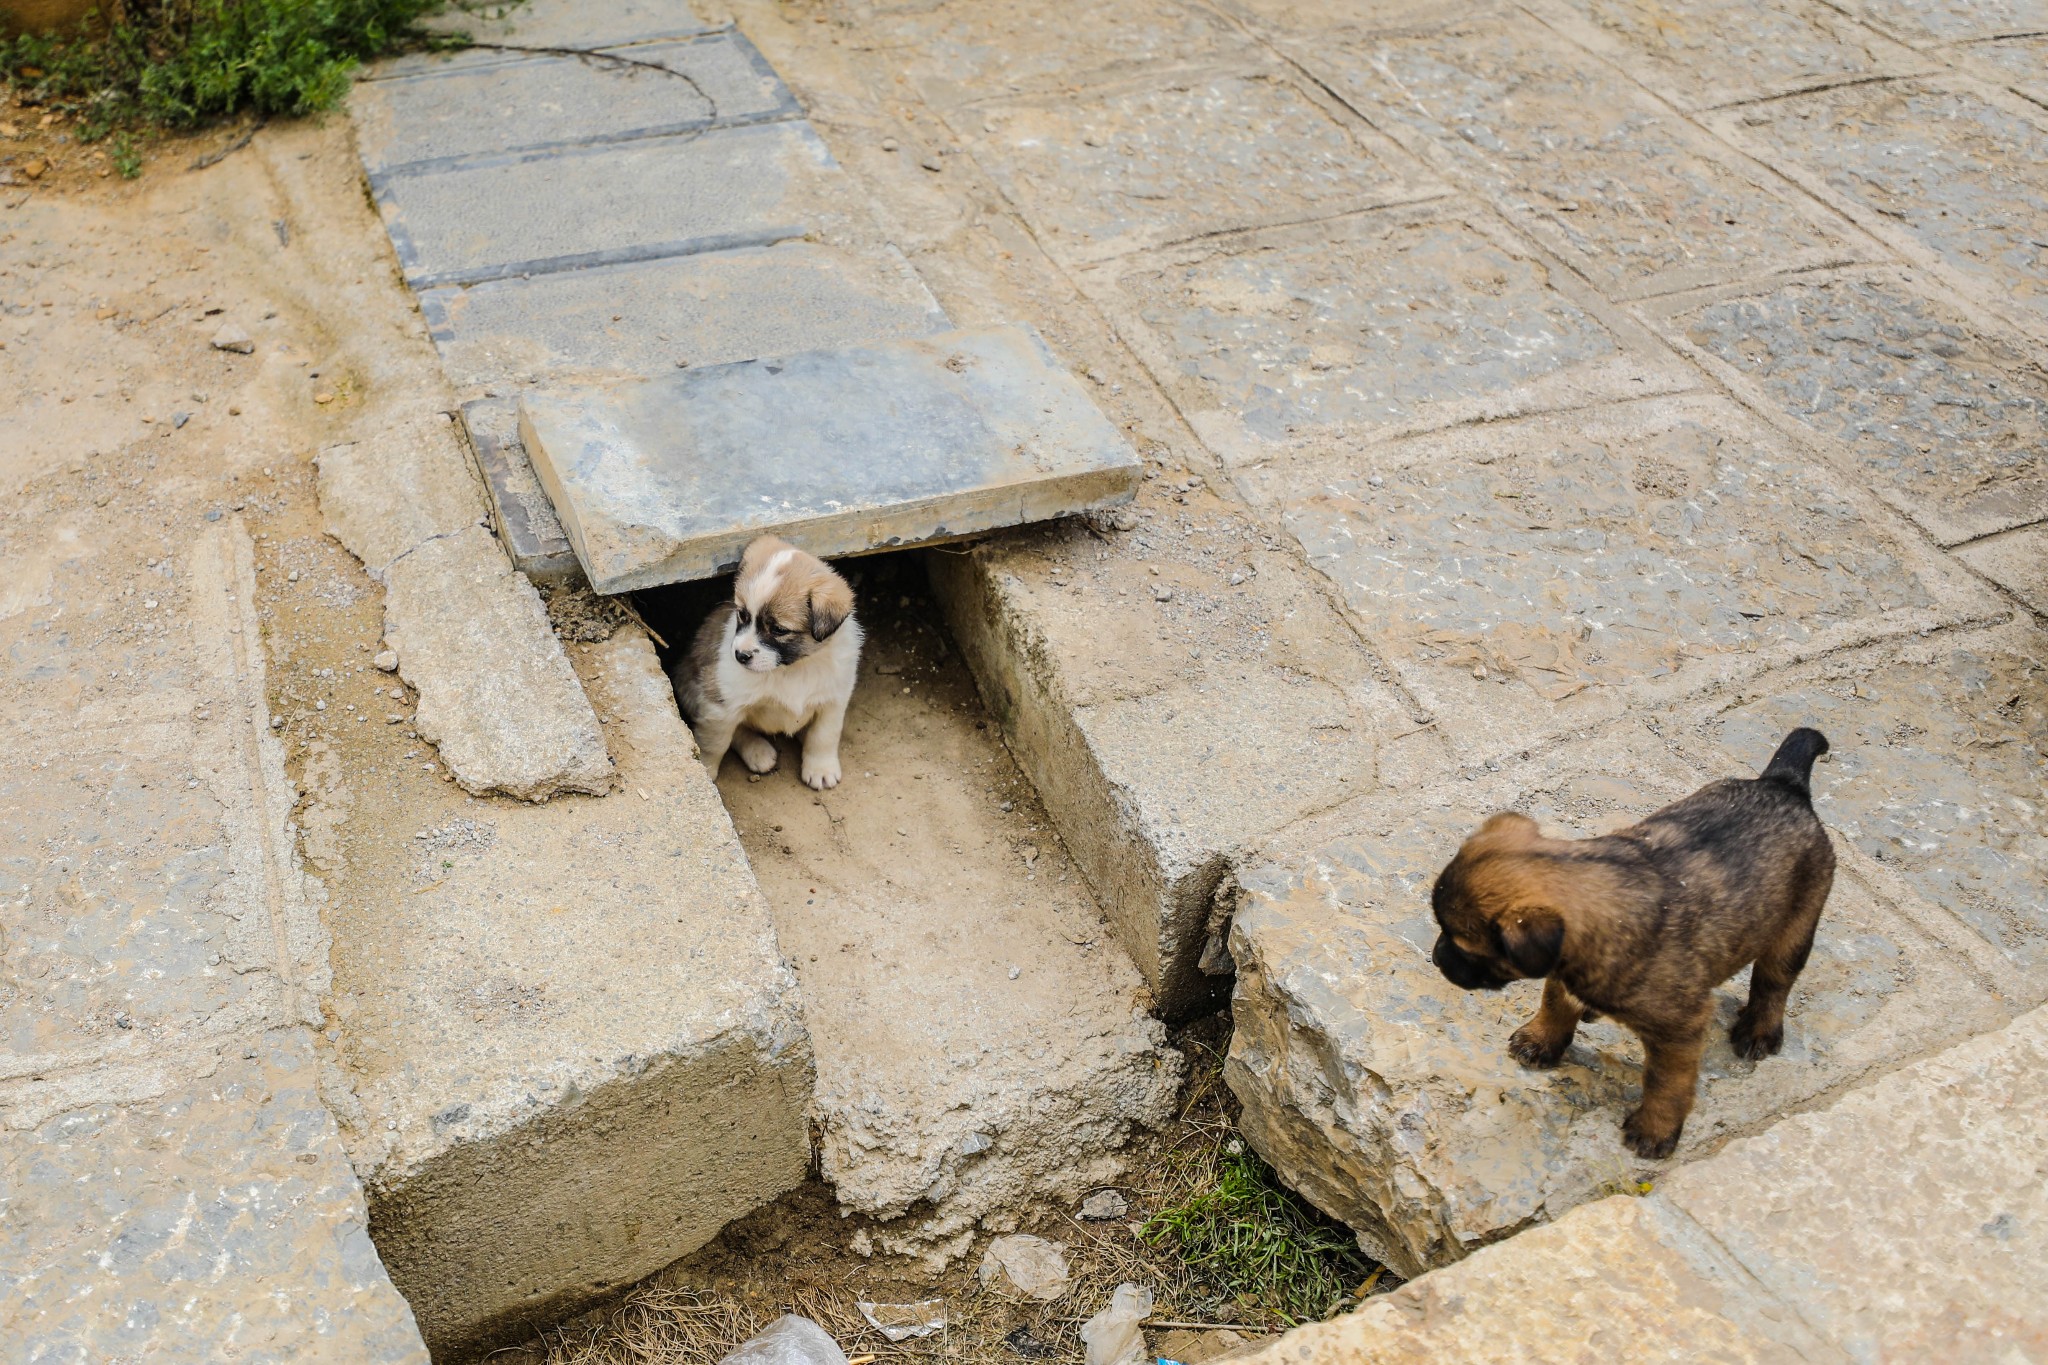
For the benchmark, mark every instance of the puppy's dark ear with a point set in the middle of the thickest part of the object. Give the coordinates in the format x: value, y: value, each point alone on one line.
x: 831, y: 604
x: 1533, y: 940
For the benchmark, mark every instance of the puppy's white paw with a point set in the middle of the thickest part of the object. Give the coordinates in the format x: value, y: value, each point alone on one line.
x: 757, y: 752
x: 821, y: 774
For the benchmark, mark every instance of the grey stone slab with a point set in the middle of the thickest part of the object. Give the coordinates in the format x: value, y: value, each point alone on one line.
x: 1939, y: 774
x: 218, y: 1220
x: 1956, y: 174
x: 525, y: 519
x: 534, y: 103
x: 843, y: 451
x: 1528, y: 579
x: 1716, y: 52
x: 1235, y: 706
x: 1387, y: 1096
x: 648, y: 317
x: 577, y: 1050
x: 568, y: 23
x: 1102, y: 174
x: 2021, y: 63
x: 958, y: 51
x: 2017, y: 561
x: 1947, y: 418
x: 1381, y: 323
x: 660, y: 196
x: 1639, y: 200
x: 1926, y: 22
x: 1910, y: 1220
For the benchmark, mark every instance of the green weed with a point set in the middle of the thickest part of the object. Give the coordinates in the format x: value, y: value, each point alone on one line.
x: 1255, y: 1243
x: 182, y: 63
x: 127, y: 157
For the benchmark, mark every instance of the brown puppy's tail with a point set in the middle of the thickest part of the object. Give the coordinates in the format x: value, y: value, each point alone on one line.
x: 1793, y: 763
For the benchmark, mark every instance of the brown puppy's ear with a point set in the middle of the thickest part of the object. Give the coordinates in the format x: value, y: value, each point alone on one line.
x: 831, y: 604
x: 1509, y: 824
x: 1533, y: 940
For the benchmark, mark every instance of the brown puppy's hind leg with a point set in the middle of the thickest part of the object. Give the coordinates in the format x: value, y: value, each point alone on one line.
x: 1542, y: 1041
x: 1759, y: 1031
x: 1671, y: 1074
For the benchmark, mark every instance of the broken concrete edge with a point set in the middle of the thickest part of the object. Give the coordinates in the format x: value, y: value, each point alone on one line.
x: 742, y: 1098
x: 1157, y: 898
x: 516, y: 1175
x: 497, y: 695
x: 1786, y: 1245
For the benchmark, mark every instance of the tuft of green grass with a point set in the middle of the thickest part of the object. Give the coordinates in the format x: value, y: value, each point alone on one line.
x: 1256, y: 1244
x: 127, y: 156
x: 178, y: 64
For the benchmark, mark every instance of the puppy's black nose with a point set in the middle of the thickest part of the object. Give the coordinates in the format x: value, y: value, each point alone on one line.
x: 745, y: 656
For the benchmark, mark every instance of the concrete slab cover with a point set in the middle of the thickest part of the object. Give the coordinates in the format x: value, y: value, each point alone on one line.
x: 502, y: 216
x: 843, y: 451
x: 553, y: 101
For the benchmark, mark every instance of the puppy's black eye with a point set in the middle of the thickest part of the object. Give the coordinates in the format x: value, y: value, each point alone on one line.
x: 745, y: 616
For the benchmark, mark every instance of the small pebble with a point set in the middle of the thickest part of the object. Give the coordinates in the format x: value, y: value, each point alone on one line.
x: 888, y: 144
x: 387, y: 662
x: 1162, y: 593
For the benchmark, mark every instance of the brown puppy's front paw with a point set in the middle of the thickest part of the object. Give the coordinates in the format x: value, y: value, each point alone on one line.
x: 1754, y: 1043
x: 1649, y: 1138
x: 1532, y: 1049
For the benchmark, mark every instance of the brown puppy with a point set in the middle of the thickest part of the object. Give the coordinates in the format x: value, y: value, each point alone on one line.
x: 1642, y: 925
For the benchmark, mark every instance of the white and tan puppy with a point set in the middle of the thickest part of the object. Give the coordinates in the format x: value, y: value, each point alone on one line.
x: 779, y: 659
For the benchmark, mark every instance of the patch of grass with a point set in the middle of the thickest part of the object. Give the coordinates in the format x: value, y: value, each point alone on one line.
x: 127, y: 157
x: 1254, y: 1242
x: 177, y: 64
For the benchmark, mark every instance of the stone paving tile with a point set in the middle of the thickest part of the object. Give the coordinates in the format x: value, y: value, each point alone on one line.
x: 1945, y: 417
x: 116, y: 868
x: 1952, y: 172
x: 1715, y: 52
x: 537, y: 102
x: 1385, y: 322
x: 644, y: 317
x: 1638, y: 199
x: 962, y: 50
x: 1387, y: 1096
x: 654, y: 197
x: 2020, y: 62
x: 1105, y: 173
x: 1939, y: 774
x: 526, y: 522
x: 2017, y: 561
x: 1926, y: 22
x: 217, y: 1220
x: 1531, y: 578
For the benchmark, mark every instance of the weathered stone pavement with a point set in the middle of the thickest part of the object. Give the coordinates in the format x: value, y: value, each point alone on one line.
x: 1547, y: 405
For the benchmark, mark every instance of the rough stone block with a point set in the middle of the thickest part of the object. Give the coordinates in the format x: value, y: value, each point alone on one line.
x: 531, y: 103
x: 388, y: 492
x: 646, y: 318
x: 1948, y: 419
x: 216, y: 1219
x: 1238, y: 704
x: 1107, y: 173
x: 1927, y: 22
x: 1621, y: 1279
x: 497, y: 217
x: 1528, y: 579
x: 1939, y: 774
x: 1387, y: 1096
x: 1640, y: 201
x: 2021, y: 63
x: 525, y: 519
x: 963, y: 50
x: 842, y: 451
x: 2017, y: 561
x: 496, y: 693
x: 1390, y: 321
x: 545, y: 1115
x: 1956, y: 174
x: 1716, y: 52
x: 1910, y: 1220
